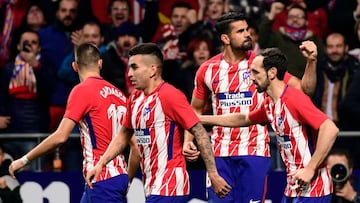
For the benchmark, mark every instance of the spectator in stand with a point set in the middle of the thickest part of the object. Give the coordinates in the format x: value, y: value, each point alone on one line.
x: 198, y: 51
x: 26, y: 87
x: 115, y: 58
x: 204, y: 26
x: 55, y: 46
x: 288, y: 37
x: 347, y: 191
x: 119, y: 12
x: 90, y: 33
x: 350, y: 106
x: 34, y: 19
x: 254, y: 34
x: 335, y: 73
x: 317, y: 21
x: 176, y: 37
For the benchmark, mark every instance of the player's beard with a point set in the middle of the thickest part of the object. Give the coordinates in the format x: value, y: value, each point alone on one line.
x: 245, y: 46
x: 263, y: 87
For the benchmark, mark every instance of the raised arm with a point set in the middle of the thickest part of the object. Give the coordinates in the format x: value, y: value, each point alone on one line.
x: 116, y: 146
x: 227, y: 120
x: 220, y: 186
x: 308, y: 82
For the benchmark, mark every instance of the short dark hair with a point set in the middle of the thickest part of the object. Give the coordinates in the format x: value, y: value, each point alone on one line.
x: 87, y: 54
x: 180, y: 4
x: 342, y: 152
x: 298, y: 6
x: 273, y: 57
x: 223, y: 23
x: 147, y: 49
x: 94, y: 23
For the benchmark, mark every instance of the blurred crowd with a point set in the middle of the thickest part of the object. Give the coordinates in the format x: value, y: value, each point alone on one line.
x: 38, y: 38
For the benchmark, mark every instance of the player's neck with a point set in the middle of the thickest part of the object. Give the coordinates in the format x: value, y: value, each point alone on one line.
x: 153, y: 85
x: 84, y: 76
x: 276, y: 89
x: 233, y: 57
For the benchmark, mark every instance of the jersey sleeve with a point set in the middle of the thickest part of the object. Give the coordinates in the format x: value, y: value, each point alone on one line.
x: 177, y: 107
x: 77, y: 105
x: 201, y: 91
x: 304, y: 110
x: 287, y: 77
x: 126, y: 122
x: 258, y: 116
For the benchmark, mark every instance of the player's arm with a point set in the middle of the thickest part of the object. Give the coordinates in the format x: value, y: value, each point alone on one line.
x: 308, y: 82
x: 134, y: 158
x: 326, y: 138
x: 53, y: 141
x: 227, y: 120
x: 116, y: 146
x: 220, y: 186
x: 189, y: 149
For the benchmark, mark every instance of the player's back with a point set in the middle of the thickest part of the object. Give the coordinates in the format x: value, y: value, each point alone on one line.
x: 98, y: 107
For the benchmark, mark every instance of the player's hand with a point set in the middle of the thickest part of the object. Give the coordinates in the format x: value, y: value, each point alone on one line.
x: 220, y: 186
x: 190, y: 151
x: 302, y: 177
x: 92, y: 175
x: 309, y: 50
x: 15, y: 166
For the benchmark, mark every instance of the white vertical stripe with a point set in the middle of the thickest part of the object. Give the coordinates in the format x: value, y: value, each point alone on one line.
x: 179, y: 181
x: 161, y: 143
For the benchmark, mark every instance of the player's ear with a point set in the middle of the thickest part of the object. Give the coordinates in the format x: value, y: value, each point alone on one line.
x: 74, y: 66
x: 272, y: 73
x: 225, y: 38
x: 100, y: 64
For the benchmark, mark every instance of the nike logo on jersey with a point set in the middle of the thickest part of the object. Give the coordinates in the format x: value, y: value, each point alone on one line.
x: 254, y: 201
x: 216, y: 81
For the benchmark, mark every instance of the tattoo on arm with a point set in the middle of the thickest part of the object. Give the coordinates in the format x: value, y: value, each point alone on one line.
x: 204, y: 146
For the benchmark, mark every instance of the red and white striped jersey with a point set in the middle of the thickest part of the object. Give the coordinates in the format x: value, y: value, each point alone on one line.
x: 159, y: 120
x: 99, y: 108
x: 231, y: 90
x: 296, y: 121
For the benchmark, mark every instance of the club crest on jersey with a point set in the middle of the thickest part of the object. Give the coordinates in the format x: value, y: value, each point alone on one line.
x: 142, y: 136
x: 280, y: 121
x: 235, y: 99
x: 246, y: 75
x: 146, y: 113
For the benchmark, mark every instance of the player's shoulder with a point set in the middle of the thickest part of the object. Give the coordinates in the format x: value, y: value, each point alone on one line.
x: 213, y: 61
x: 296, y: 96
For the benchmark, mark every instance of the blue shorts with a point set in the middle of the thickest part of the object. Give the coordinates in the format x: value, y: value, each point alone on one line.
x: 324, y: 199
x: 247, y: 175
x: 167, y: 199
x: 112, y: 190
